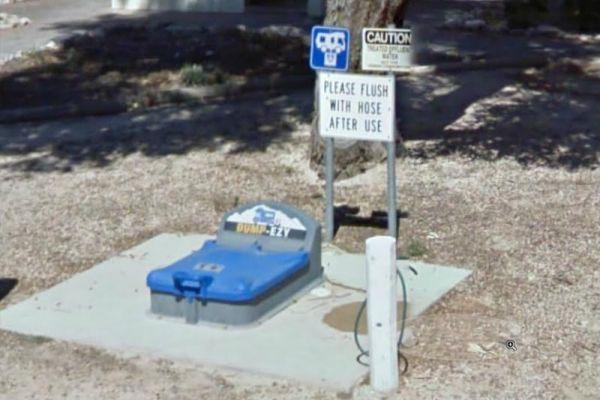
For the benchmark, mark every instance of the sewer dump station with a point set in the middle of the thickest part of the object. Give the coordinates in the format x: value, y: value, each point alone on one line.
x: 172, y: 295
x: 265, y: 254
x: 240, y: 299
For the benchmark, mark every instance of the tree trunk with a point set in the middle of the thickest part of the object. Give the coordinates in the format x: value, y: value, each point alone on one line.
x: 352, y: 157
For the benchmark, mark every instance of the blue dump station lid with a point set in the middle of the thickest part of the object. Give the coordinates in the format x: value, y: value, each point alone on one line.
x: 216, y: 272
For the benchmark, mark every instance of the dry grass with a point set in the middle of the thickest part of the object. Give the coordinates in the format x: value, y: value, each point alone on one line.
x: 530, y: 235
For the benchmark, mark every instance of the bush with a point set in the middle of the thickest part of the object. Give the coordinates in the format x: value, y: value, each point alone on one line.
x: 416, y: 249
x: 196, y: 75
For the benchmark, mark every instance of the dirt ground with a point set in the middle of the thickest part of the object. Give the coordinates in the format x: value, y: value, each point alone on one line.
x: 499, y: 173
x: 530, y: 234
x: 136, y: 63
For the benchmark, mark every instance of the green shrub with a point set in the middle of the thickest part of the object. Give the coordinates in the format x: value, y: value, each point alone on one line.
x: 197, y: 75
x: 193, y: 75
x: 416, y: 249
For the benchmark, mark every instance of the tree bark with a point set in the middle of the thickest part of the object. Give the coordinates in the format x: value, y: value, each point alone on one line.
x: 352, y: 157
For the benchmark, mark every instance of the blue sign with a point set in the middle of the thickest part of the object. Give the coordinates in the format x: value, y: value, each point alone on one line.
x: 263, y: 216
x: 329, y: 48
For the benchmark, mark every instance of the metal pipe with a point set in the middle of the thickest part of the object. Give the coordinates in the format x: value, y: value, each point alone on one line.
x: 391, y: 190
x: 329, y: 177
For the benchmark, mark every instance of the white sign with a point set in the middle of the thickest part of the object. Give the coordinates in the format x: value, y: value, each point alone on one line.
x: 385, y: 49
x: 360, y: 107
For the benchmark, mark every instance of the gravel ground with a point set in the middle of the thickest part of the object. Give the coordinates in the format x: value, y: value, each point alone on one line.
x: 72, y: 198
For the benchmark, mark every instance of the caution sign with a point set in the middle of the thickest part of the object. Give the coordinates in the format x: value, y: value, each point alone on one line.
x: 386, y: 49
x: 356, y: 106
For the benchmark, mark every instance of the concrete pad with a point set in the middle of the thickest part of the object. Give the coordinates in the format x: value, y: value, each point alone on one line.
x: 106, y: 306
x: 424, y: 288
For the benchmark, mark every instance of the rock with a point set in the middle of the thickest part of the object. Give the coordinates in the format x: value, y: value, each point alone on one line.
x: 545, y: 30
x: 321, y: 292
x: 476, y: 348
x: 110, y: 78
x: 475, y: 24
x: 594, y: 326
x: 409, y: 339
x: 592, y: 67
x: 98, y: 33
x: 484, y: 18
x: 282, y: 30
x: 432, y: 236
x: 453, y: 23
x: 455, y: 19
x: 8, y: 21
x: 514, y: 329
x: 11, y: 57
x: 52, y: 45
x: 517, y: 31
x: 185, y: 29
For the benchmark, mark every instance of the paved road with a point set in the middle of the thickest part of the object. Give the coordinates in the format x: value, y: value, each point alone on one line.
x: 48, y: 17
x: 54, y: 18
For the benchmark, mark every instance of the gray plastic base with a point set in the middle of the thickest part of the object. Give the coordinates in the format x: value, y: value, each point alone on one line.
x: 237, y: 314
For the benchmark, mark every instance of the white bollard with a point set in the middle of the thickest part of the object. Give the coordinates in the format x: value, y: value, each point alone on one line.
x: 381, y: 313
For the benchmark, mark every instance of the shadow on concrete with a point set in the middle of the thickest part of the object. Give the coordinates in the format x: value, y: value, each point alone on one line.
x: 6, y: 286
x: 346, y: 215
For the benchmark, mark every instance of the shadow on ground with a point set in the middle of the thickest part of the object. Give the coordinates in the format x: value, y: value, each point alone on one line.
x: 243, y: 125
x: 547, y: 115
x: 128, y: 59
x: 483, y: 114
x: 346, y: 215
x: 128, y: 62
x: 494, y: 115
x: 6, y: 286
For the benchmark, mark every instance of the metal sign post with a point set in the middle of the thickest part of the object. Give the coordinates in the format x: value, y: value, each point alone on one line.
x: 329, y: 177
x: 358, y: 106
x: 329, y: 51
x: 387, y: 49
x: 373, y: 35
x: 391, y: 189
